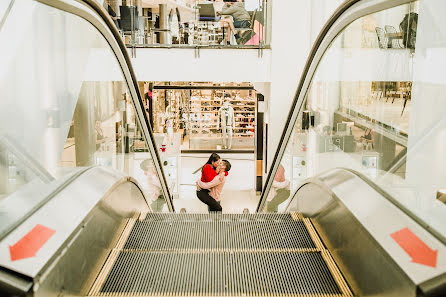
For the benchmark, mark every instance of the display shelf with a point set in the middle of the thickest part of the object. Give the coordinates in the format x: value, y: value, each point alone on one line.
x: 202, y: 101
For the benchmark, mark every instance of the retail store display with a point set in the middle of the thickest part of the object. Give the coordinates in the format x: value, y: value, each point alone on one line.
x: 208, y: 125
x: 207, y: 119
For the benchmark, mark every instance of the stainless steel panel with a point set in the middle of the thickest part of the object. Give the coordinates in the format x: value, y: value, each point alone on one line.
x: 356, y: 221
x: 74, y: 269
x: 65, y: 213
x: 365, y: 264
x: 14, y: 285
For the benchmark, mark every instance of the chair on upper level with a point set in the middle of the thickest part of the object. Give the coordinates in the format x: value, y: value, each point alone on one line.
x: 382, y: 39
x: 129, y: 18
x: 394, y: 41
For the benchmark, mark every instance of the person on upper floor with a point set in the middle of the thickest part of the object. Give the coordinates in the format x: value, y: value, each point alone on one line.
x: 240, y: 16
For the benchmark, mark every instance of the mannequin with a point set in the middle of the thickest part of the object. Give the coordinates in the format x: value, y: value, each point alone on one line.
x: 227, y: 119
x: 169, y: 124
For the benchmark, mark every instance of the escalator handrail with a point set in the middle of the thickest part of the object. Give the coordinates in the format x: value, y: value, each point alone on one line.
x: 388, y: 197
x: 139, y: 105
x: 40, y: 203
x: 127, y: 68
x: 5, y: 15
x: 314, y: 57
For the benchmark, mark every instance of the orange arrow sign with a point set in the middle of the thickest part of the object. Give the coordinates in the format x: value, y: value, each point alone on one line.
x: 419, y: 251
x: 31, y: 243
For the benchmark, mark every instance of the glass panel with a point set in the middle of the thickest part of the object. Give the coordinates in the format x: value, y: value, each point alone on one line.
x: 191, y: 23
x: 201, y: 118
x: 64, y: 105
x: 370, y: 105
x: 5, y: 6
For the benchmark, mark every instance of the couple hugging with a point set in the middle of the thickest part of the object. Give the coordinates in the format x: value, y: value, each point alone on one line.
x: 210, y: 186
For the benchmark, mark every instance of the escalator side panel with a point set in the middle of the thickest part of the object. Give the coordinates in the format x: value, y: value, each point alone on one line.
x: 86, y: 216
x: 366, y: 266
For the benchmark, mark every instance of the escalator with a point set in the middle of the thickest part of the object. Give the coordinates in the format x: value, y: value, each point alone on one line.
x: 88, y: 229
x: 220, y: 255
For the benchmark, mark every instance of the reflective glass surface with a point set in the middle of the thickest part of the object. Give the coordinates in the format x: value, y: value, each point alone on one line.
x: 191, y: 23
x: 65, y: 105
x: 376, y: 105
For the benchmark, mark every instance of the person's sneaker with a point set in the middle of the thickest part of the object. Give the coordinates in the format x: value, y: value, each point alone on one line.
x: 246, y: 36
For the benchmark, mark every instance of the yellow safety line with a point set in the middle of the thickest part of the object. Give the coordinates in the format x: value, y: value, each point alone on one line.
x: 198, y: 251
x: 317, y: 241
x: 336, y: 274
x: 104, y: 272
x: 125, y: 234
x: 297, y: 216
x: 112, y: 258
x: 143, y: 216
x: 182, y: 294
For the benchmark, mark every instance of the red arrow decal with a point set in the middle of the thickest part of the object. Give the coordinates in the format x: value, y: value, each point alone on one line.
x: 31, y: 243
x: 420, y: 252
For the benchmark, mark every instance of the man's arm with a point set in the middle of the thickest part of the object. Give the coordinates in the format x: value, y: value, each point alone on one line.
x: 228, y: 10
x: 215, y: 182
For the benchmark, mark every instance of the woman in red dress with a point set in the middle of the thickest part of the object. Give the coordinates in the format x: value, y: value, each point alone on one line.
x: 208, y: 173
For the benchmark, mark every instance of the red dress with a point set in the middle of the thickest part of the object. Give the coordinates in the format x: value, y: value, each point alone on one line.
x: 208, y: 173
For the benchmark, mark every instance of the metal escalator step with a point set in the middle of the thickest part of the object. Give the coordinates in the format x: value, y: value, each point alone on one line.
x: 222, y: 235
x: 182, y: 217
x: 219, y: 274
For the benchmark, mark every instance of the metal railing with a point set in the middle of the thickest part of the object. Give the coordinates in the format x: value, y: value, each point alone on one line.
x: 177, y: 31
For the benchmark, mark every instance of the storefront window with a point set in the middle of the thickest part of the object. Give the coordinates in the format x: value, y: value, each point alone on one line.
x: 203, y: 117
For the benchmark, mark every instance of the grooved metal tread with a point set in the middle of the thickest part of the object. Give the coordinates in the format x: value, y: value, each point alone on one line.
x: 220, y: 255
x: 220, y: 274
x: 217, y: 216
x: 233, y: 235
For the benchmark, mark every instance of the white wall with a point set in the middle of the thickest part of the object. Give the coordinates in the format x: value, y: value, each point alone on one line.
x: 220, y: 65
x: 295, y: 25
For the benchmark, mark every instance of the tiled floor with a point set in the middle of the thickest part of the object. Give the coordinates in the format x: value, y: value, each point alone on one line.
x: 238, y: 192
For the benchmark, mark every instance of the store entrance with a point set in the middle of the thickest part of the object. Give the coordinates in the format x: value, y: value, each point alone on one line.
x: 192, y: 120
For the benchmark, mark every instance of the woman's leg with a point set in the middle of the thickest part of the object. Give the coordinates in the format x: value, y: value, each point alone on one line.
x: 204, y: 197
x: 157, y: 205
x: 281, y: 196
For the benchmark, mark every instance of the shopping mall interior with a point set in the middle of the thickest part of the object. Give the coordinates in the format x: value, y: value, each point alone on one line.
x: 222, y: 148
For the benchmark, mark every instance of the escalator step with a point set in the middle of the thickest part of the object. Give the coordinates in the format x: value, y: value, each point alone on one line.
x: 217, y: 216
x: 219, y: 274
x: 225, y: 235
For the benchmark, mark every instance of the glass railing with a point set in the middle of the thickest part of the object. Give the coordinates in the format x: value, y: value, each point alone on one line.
x: 192, y: 23
x: 373, y: 101
x: 67, y: 103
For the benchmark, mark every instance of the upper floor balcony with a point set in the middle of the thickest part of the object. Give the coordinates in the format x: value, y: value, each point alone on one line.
x: 191, y: 23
